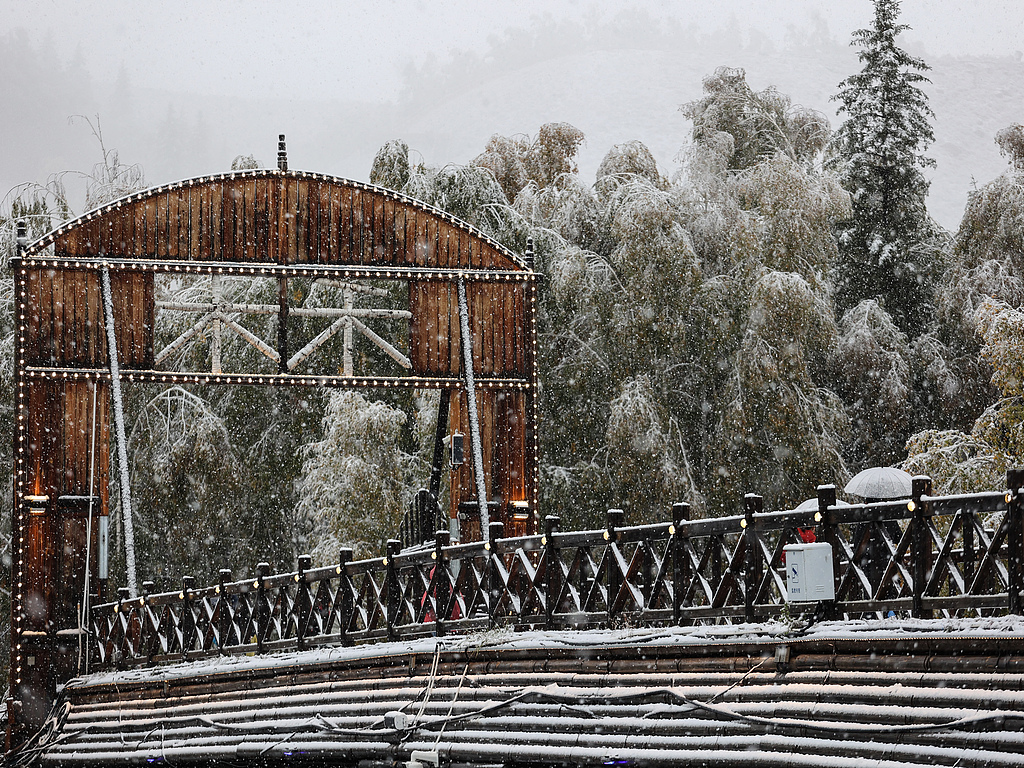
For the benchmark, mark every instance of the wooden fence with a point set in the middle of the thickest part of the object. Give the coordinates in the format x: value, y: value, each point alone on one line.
x: 923, y: 556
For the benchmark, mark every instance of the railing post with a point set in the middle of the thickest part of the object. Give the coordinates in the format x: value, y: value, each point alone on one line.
x: 830, y: 535
x: 752, y: 505
x: 442, y: 584
x: 392, y: 589
x: 967, y: 536
x: 150, y: 649
x: 343, y: 598
x: 613, y: 578
x: 188, y: 616
x: 493, y: 582
x: 302, y: 605
x: 1014, y: 534
x: 262, y: 614
x: 681, y: 576
x: 123, y: 623
x: 552, y: 583
x: 921, y: 542
x: 223, y: 609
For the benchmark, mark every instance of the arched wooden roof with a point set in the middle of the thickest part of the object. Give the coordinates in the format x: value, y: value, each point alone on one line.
x: 278, y: 217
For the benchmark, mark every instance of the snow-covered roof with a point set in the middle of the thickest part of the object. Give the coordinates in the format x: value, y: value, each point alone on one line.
x: 838, y: 694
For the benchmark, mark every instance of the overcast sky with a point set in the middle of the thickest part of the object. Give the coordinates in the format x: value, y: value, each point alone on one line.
x: 359, y: 50
x: 206, y: 81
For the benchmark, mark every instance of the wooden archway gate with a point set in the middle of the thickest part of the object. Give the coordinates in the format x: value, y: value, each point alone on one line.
x: 274, y: 224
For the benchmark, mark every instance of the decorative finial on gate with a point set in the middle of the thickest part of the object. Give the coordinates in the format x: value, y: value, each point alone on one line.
x: 282, y: 153
x: 22, y: 236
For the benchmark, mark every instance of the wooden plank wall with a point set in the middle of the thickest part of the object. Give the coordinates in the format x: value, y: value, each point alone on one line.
x: 60, y: 437
x: 57, y: 454
x: 497, y: 320
x: 505, y: 438
x: 68, y: 330
x: 281, y: 219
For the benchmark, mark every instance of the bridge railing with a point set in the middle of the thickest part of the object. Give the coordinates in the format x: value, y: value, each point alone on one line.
x: 950, y: 555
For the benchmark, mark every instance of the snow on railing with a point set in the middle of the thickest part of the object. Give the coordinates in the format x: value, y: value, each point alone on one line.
x: 955, y: 555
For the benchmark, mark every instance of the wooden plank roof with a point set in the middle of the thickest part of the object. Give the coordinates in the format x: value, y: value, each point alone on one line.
x: 277, y: 217
x: 549, y: 699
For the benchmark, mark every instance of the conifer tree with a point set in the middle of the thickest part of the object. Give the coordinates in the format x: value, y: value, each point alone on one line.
x: 885, y: 248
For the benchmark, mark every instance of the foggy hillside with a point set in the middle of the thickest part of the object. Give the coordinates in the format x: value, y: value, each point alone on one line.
x: 615, y: 84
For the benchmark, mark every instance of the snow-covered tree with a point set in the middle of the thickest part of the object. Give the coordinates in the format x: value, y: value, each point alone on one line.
x: 872, y: 369
x: 517, y: 160
x: 961, y: 462
x: 887, y: 246
x: 356, y: 480
x: 391, y: 166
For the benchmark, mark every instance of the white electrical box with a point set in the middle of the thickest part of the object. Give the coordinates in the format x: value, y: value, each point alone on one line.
x: 809, y: 574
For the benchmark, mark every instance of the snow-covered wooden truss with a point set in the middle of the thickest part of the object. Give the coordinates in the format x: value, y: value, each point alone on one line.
x: 438, y: 304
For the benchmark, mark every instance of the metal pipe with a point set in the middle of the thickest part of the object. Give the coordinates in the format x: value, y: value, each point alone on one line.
x: 474, y: 420
x: 122, y: 443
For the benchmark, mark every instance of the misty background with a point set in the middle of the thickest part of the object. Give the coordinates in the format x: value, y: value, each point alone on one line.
x: 183, y: 88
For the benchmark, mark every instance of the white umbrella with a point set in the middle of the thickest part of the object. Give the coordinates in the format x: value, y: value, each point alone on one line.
x: 811, y: 505
x: 881, y: 483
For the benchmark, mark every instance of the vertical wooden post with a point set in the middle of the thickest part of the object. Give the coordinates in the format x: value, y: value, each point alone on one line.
x: 552, y: 581
x: 920, y: 543
x: 1014, y: 544
x: 613, y: 577
x: 681, y: 566
x: 223, y: 609
x: 752, y: 505
x: 343, y: 598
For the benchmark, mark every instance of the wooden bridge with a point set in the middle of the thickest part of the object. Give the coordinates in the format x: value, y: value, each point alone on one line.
x: 517, y: 644
x: 942, y: 561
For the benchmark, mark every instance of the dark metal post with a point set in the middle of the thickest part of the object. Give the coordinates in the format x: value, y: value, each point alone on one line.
x: 223, y: 609
x: 1014, y: 534
x: 425, y: 523
x: 551, y: 584
x: 21, y: 237
x: 282, y: 153
x: 967, y: 536
x: 302, y: 606
x: 344, y: 595
x: 830, y: 535
x: 920, y: 543
x: 681, y: 575
x: 188, y: 616
x: 149, y: 649
x: 442, y: 584
x: 282, y: 324
x: 392, y: 589
x: 613, y: 577
x: 752, y: 505
x: 440, y: 432
x: 262, y: 614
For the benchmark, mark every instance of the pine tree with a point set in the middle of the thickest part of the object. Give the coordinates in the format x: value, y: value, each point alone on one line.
x: 885, y: 246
